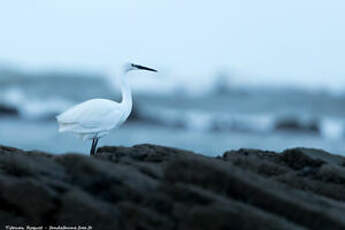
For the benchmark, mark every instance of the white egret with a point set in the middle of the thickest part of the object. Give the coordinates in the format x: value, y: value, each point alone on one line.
x: 93, y: 119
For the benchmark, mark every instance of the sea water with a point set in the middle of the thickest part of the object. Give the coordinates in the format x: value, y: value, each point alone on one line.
x: 208, y: 123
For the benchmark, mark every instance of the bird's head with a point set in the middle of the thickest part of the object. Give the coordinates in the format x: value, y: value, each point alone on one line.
x: 130, y: 66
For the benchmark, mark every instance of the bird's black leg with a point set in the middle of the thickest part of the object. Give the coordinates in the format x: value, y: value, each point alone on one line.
x: 92, y: 151
x: 96, y: 142
x: 94, y: 146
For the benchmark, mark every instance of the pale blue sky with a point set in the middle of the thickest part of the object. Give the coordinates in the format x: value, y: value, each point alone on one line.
x: 270, y: 42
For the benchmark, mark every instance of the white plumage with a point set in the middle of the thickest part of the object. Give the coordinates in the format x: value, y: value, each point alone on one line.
x: 92, y: 118
x: 95, y: 118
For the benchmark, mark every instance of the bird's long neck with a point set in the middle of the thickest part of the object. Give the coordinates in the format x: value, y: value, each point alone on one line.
x: 126, y: 93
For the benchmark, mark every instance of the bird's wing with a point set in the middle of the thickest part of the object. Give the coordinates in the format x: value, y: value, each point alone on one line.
x: 91, y: 116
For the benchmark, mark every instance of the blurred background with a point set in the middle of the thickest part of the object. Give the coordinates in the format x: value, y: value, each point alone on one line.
x: 233, y: 74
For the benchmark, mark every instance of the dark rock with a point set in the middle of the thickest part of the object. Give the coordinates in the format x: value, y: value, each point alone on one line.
x: 138, y: 115
x: 295, y: 125
x: 28, y: 198
x: 8, y: 111
x: 79, y: 208
x: 156, y: 187
x: 296, y: 159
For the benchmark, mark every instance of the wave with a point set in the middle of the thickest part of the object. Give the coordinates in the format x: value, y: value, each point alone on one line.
x: 332, y: 128
x: 261, y: 123
x: 32, y: 107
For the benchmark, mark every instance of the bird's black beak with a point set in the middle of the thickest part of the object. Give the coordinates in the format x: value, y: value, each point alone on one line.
x: 144, y: 68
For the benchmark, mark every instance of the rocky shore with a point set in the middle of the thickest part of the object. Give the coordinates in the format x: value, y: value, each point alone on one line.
x: 155, y: 187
